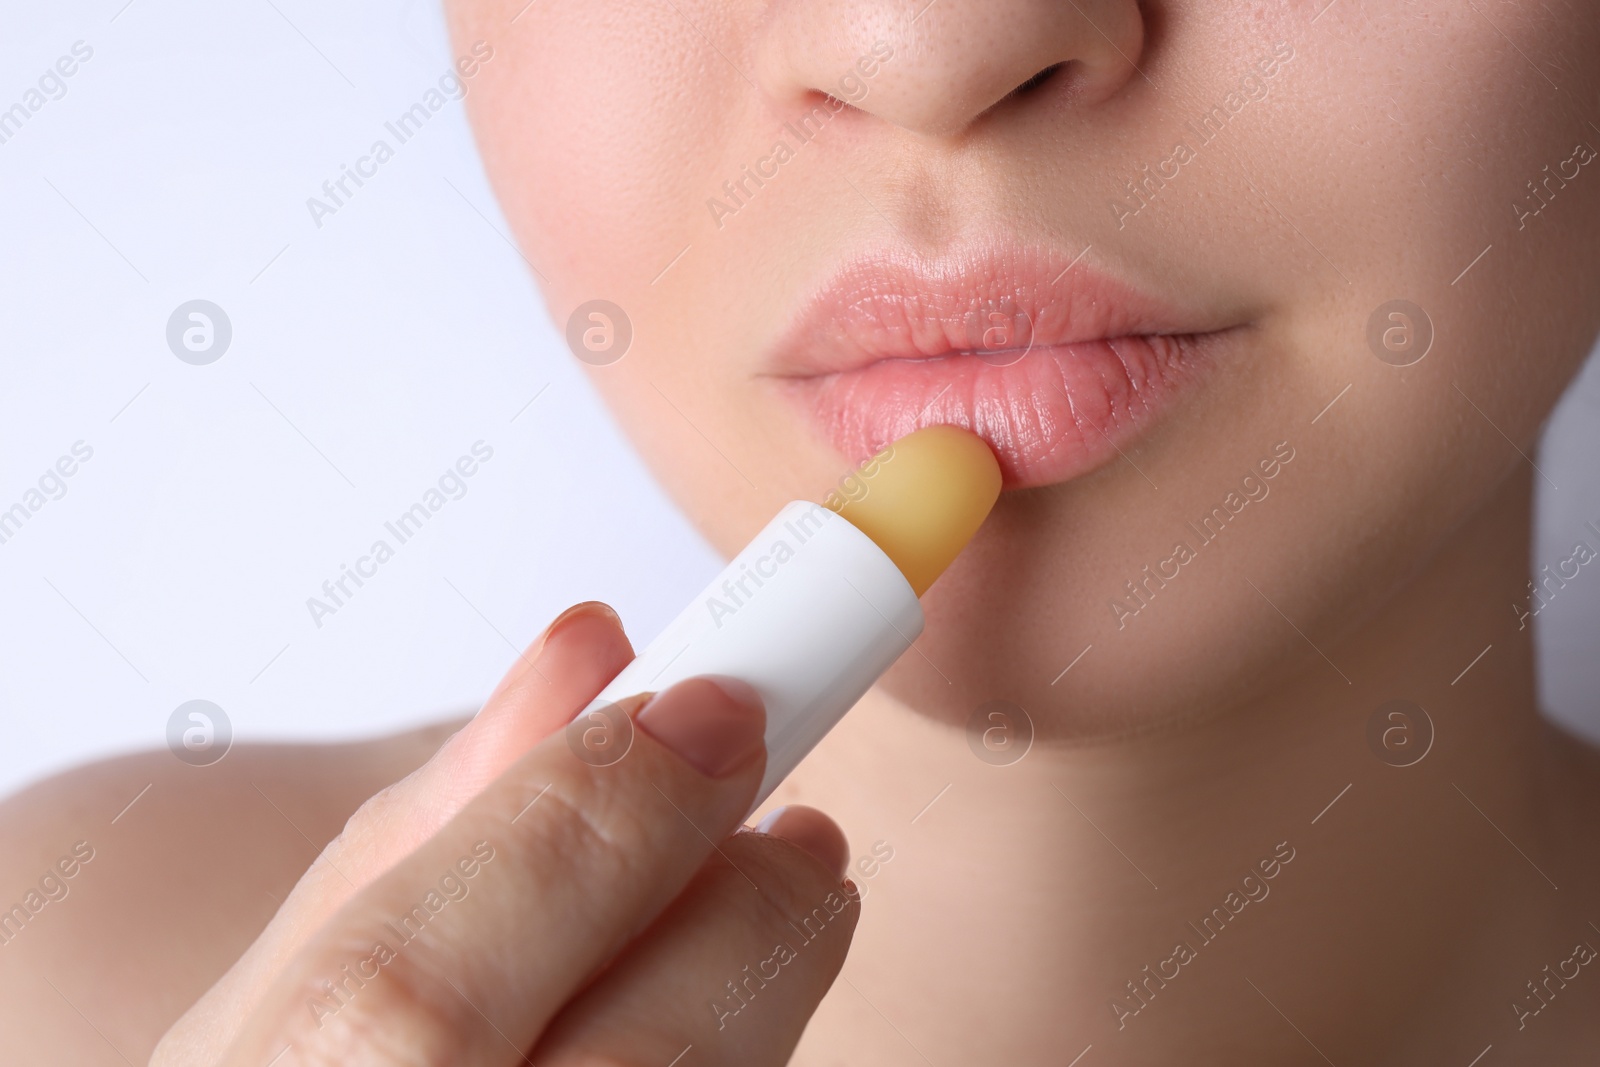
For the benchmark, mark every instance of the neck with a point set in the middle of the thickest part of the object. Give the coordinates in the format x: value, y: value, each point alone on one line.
x: 1260, y: 885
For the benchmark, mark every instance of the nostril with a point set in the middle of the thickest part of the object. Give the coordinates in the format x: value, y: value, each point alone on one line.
x: 1031, y: 85
x: 1037, y: 80
x: 965, y: 63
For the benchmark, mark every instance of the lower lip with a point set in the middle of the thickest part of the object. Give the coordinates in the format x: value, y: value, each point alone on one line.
x: 1054, y: 413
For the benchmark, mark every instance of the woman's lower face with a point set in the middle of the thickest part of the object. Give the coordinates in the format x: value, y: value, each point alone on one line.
x: 1225, y: 287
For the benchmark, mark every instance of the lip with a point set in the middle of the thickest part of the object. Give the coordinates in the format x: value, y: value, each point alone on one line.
x: 1057, y: 364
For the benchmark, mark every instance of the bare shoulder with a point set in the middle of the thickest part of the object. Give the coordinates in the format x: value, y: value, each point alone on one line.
x: 127, y: 887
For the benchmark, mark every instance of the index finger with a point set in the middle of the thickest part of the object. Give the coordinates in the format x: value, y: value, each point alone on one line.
x: 568, y: 862
x: 578, y: 653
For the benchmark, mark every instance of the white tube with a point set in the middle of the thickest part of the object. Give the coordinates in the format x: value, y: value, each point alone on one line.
x: 810, y: 613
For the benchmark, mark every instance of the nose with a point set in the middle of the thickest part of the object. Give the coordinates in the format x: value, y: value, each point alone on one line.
x: 938, y: 68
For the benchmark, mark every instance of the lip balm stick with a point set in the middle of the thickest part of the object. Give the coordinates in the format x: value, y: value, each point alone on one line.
x: 824, y: 599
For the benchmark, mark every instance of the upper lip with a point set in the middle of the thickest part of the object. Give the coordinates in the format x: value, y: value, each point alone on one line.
x: 899, y: 306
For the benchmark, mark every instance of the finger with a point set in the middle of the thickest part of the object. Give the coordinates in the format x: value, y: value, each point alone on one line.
x: 465, y: 950
x: 734, y: 969
x: 578, y: 653
x: 814, y: 832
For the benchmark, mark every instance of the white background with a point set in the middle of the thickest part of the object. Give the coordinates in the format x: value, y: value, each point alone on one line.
x: 367, y: 356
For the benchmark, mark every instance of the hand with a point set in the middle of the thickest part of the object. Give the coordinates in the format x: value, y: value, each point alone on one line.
x: 511, y: 901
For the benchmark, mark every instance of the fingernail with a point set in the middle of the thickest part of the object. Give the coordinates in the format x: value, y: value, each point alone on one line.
x: 573, y: 632
x: 573, y: 620
x: 715, y: 724
x: 813, y: 831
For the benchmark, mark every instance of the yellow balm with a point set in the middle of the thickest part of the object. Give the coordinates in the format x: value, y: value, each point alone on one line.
x: 921, y: 499
x: 811, y: 612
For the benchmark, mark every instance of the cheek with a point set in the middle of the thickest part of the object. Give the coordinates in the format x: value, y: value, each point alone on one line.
x: 604, y: 127
x: 593, y: 121
x: 1397, y: 167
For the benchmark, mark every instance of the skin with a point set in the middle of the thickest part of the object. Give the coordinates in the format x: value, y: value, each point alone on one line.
x: 1387, y: 154
x: 1212, y: 732
x: 392, y: 947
